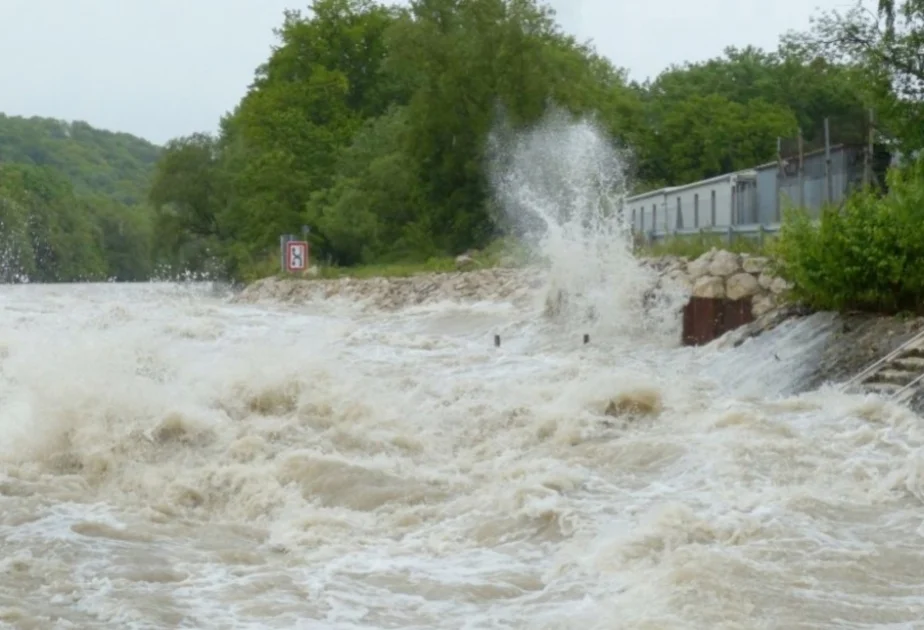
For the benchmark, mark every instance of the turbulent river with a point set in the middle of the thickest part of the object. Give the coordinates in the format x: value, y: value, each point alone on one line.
x: 169, y: 459
x: 175, y: 458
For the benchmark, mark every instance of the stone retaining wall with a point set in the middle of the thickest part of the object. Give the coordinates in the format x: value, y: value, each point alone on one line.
x: 722, y: 274
x: 716, y: 274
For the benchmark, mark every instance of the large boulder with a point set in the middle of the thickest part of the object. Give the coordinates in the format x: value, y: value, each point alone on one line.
x: 741, y: 285
x: 698, y: 268
x: 762, y: 305
x: 755, y: 264
x: 709, y: 287
x: 724, y: 264
x: 779, y: 286
x: 765, y: 280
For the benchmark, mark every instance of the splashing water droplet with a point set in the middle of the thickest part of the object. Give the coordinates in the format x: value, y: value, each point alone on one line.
x: 560, y: 185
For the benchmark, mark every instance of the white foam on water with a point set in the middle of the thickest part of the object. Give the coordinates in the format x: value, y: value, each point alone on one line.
x: 171, y: 459
x: 561, y: 185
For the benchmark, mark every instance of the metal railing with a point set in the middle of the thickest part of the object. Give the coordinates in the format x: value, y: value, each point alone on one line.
x: 757, y: 231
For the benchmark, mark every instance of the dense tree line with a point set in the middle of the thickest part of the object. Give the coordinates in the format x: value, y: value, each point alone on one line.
x: 869, y: 253
x: 73, y: 202
x: 96, y: 161
x: 370, y: 124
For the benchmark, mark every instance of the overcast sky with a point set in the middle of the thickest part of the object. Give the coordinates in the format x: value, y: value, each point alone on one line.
x: 164, y: 68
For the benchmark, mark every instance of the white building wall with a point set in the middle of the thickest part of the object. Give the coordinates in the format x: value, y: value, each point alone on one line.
x: 657, y: 210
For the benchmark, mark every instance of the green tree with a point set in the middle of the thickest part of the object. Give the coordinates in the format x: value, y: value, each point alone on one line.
x: 886, y: 47
x: 725, y: 114
x: 96, y: 161
x: 46, y: 235
x: 371, y: 124
x: 868, y: 255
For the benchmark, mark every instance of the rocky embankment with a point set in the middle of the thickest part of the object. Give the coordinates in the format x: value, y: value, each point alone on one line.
x: 514, y: 285
x: 723, y: 274
x: 716, y: 274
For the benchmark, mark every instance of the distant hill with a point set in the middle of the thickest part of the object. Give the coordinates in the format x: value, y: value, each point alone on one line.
x: 98, y: 162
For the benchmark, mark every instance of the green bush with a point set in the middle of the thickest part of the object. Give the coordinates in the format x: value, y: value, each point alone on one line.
x: 867, y: 255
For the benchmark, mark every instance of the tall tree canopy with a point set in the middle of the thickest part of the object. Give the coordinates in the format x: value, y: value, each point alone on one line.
x: 370, y: 123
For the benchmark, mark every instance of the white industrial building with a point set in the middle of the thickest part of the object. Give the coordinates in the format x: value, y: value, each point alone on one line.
x: 714, y: 202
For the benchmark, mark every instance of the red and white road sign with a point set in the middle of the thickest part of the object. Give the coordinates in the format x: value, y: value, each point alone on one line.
x: 296, y: 255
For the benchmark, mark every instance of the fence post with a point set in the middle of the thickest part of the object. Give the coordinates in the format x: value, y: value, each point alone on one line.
x: 779, y: 177
x: 868, y: 154
x: 801, y: 171
x: 828, y: 175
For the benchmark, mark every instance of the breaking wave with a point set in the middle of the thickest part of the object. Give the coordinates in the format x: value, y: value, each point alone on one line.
x: 171, y: 458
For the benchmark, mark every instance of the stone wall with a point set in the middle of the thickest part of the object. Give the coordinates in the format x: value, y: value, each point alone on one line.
x: 717, y: 274
x: 723, y: 274
x: 513, y: 285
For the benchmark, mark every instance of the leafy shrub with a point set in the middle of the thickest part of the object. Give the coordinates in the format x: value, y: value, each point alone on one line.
x: 867, y: 255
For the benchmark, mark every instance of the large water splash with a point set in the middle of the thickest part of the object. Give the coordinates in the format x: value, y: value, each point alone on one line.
x: 560, y: 186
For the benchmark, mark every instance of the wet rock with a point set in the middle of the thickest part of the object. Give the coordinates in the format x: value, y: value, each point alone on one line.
x: 724, y: 264
x: 762, y: 305
x: 765, y: 280
x: 709, y: 287
x: 643, y: 402
x: 741, y: 285
x: 778, y: 286
x: 859, y: 340
x: 755, y: 264
x: 763, y: 324
x: 700, y: 267
x: 464, y: 261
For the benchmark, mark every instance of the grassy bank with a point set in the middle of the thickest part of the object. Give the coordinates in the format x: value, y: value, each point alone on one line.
x: 695, y: 245
x: 501, y: 253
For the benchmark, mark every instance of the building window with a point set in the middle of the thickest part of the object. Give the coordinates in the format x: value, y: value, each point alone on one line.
x: 712, y: 209
x: 696, y: 210
x: 679, y: 224
x: 654, y: 217
x: 633, y: 219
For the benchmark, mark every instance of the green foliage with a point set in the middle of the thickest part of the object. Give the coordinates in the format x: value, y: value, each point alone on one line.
x: 499, y: 253
x: 695, y: 245
x: 117, y: 165
x: 725, y: 114
x: 370, y: 124
x: 45, y: 234
x: 884, y: 49
x: 867, y: 255
x: 71, y: 205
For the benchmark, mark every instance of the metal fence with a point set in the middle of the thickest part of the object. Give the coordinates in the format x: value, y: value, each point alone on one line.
x: 811, y: 172
x: 757, y: 232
